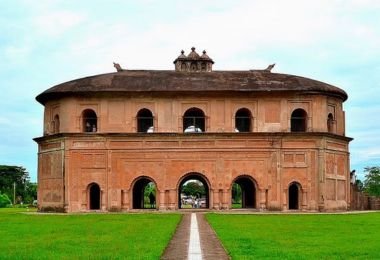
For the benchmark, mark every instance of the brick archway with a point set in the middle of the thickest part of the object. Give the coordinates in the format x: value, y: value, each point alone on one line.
x: 197, y: 177
x: 138, y: 188
x: 294, y: 196
x: 248, y: 186
x: 94, y: 196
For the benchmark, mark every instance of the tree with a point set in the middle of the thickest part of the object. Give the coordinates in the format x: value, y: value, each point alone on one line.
x: 372, y: 181
x: 15, y: 180
x: 194, y: 188
x: 4, y: 201
x: 236, y: 193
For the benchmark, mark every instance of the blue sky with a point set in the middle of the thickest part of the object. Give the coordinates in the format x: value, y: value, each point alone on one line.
x: 43, y: 43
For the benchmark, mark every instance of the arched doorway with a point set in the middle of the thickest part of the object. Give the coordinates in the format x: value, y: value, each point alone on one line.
x: 193, y: 192
x: 94, y: 196
x: 294, y: 195
x: 243, y: 192
x: 144, y: 194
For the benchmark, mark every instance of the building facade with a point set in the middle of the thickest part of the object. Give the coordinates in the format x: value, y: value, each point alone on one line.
x: 280, y: 137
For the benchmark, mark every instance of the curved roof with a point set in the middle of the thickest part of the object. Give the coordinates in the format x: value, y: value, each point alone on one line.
x: 165, y: 81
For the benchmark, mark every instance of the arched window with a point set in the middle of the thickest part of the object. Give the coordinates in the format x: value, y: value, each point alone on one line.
x: 56, y: 124
x: 194, y: 120
x: 243, y: 120
x: 330, y: 123
x: 89, y: 121
x: 144, y: 121
x: 298, y: 121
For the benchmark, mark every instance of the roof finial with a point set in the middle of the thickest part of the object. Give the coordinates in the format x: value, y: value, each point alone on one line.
x: 192, y: 49
x: 182, y: 52
x: 270, y: 67
x: 118, y: 67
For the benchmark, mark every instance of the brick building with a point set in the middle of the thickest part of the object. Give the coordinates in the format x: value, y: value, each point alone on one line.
x: 280, y: 137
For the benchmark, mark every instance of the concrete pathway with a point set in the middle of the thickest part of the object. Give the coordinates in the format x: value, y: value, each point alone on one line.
x: 194, y: 239
x: 194, y: 252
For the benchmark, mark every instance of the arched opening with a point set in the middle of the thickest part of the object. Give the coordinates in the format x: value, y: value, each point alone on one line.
x: 89, y: 121
x: 94, y: 196
x: 294, y: 195
x: 298, y: 120
x: 193, y: 192
x: 144, y: 194
x: 194, y: 120
x: 243, y: 193
x: 203, y: 66
x: 193, y: 66
x: 243, y: 120
x: 330, y: 123
x: 56, y: 124
x: 144, y: 121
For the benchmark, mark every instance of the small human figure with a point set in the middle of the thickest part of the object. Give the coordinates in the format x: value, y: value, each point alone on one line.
x: 88, y: 127
x: 152, y: 200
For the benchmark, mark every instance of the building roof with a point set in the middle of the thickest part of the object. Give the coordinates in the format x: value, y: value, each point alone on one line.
x: 169, y: 81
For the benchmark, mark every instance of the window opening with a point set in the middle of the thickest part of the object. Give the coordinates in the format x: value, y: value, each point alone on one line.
x: 243, y: 120
x: 298, y: 120
x: 145, y: 121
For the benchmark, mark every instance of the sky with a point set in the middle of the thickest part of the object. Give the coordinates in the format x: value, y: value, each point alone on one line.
x: 47, y: 42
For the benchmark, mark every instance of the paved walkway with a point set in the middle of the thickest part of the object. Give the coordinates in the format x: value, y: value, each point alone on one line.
x: 194, y: 232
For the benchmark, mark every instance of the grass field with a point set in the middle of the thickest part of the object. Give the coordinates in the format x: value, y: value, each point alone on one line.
x: 48, y: 236
x: 340, y: 236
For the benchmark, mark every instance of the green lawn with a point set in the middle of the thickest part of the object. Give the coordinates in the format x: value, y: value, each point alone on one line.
x: 340, y: 236
x: 64, y: 236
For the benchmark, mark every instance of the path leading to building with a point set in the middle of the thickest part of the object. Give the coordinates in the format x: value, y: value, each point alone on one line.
x: 194, y: 232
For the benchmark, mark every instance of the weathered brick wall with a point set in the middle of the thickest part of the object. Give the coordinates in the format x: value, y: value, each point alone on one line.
x: 362, y: 201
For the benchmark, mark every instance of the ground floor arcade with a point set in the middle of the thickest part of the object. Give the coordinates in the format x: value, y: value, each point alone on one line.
x: 308, y: 172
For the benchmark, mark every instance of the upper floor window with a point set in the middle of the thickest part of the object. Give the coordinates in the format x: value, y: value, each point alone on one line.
x: 243, y: 120
x: 298, y: 121
x: 145, y: 121
x: 89, y: 121
x: 330, y: 123
x: 56, y: 123
x: 194, y: 120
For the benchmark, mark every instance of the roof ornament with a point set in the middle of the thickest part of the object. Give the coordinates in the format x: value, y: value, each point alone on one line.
x: 270, y: 67
x: 118, y: 67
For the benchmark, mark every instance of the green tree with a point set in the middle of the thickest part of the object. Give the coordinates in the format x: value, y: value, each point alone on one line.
x: 4, y: 201
x: 236, y: 193
x: 194, y: 188
x: 15, y: 179
x: 372, y: 181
